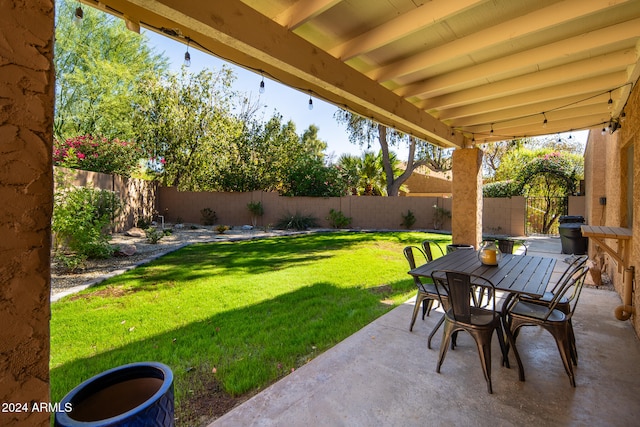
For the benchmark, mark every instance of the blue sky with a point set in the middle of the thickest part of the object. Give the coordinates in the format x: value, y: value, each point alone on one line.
x: 290, y: 103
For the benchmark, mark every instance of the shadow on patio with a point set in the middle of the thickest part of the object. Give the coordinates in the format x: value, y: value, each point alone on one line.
x: 384, y: 375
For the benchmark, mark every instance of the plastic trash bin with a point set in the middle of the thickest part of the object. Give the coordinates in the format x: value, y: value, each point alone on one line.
x: 571, y: 238
x: 458, y: 246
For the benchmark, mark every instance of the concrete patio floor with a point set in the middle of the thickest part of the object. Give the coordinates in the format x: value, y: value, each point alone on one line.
x: 384, y: 375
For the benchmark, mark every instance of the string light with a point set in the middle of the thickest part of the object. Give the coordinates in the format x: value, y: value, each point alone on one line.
x: 623, y: 116
x: 187, y: 56
x: 310, y: 101
x: 610, y: 102
x: 544, y: 123
x: 78, y: 16
x: 261, y: 90
x: 491, y: 129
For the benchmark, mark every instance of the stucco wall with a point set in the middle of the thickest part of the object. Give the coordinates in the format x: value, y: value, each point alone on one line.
x: 366, y: 212
x: 26, y: 179
x: 607, y: 175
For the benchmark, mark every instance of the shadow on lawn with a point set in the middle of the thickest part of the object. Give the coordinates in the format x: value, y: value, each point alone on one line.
x: 257, y: 256
x: 221, y: 361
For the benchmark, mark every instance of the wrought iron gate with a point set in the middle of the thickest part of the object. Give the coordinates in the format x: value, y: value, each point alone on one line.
x: 542, y: 214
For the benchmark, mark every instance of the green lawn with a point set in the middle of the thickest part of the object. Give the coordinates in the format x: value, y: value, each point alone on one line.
x: 243, y: 314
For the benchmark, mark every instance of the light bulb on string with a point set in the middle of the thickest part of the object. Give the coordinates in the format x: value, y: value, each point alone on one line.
x: 610, y: 102
x: 261, y: 90
x: 78, y: 16
x: 544, y: 123
x: 310, y: 102
x: 187, y: 55
x: 623, y: 116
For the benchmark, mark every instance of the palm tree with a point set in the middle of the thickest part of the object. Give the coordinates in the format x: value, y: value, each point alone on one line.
x: 365, y: 174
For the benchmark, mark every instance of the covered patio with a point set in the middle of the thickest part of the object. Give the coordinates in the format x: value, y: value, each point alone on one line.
x: 384, y: 375
x: 455, y: 73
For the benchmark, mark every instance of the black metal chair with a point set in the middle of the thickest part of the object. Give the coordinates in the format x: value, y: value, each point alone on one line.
x: 427, y: 248
x: 563, y: 303
x: 427, y: 294
x: 521, y: 313
x: 507, y: 246
x: 463, y: 315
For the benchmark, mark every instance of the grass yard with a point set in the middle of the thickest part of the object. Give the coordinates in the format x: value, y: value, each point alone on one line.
x: 231, y: 318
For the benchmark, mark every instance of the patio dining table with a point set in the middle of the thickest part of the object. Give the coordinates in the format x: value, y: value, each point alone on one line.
x: 515, y: 274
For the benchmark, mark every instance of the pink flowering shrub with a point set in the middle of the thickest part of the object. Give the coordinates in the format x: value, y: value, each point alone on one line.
x: 97, y: 154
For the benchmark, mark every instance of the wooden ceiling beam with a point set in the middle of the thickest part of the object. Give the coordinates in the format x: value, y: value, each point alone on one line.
x: 580, y: 70
x: 533, y: 22
x: 302, y: 11
x: 417, y: 19
x: 538, y: 98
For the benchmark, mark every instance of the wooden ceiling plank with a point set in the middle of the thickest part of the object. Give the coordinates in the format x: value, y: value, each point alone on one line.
x: 599, y: 84
x: 538, y: 20
x: 425, y: 15
x: 492, y: 70
x: 580, y: 70
x: 577, y: 101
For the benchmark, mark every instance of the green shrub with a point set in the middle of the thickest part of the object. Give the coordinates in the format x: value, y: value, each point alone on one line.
x: 153, y: 235
x: 338, y: 220
x: 256, y: 210
x: 408, y: 220
x: 209, y: 216
x: 501, y: 189
x: 296, y: 221
x: 81, y: 219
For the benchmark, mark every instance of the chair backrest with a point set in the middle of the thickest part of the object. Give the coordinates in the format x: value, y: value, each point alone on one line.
x: 571, y: 268
x: 427, y: 246
x: 571, y: 289
x: 506, y: 246
x: 409, y: 254
x: 459, y: 288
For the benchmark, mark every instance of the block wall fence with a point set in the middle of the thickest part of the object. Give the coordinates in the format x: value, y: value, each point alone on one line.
x: 147, y: 200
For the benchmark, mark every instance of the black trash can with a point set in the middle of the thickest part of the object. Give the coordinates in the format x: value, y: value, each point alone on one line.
x: 458, y: 246
x: 571, y: 235
x: 134, y: 395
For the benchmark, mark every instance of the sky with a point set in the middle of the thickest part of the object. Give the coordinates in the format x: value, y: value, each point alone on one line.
x: 290, y: 103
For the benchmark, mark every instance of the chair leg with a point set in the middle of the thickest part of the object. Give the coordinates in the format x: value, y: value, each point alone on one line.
x: 572, y: 342
x: 511, y: 331
x: 483, y: 341
x: 416, y: 308
x: 444, y: 345
x: 427, y: 304
x: 561, y: 335
x: 433, y: 332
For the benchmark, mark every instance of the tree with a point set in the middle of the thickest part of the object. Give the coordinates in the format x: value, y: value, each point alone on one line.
x: 185, y: 126
x: 314, y: 146
x: 99, y: 66
x: 364, y: 131
x: 365, y: 175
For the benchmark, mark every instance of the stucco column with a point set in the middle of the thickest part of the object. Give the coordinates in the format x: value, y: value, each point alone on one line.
x: 26, y: 188
x: 466, y: 212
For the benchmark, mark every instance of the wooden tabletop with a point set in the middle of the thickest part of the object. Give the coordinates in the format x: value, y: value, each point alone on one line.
x: 522, y: 274
x: 606, y: 232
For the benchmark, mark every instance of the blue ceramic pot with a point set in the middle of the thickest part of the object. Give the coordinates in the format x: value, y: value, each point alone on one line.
x: 138, y: 394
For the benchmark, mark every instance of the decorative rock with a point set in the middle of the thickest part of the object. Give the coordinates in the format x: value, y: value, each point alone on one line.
x: 135, y: 232
x: 126, y: 250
